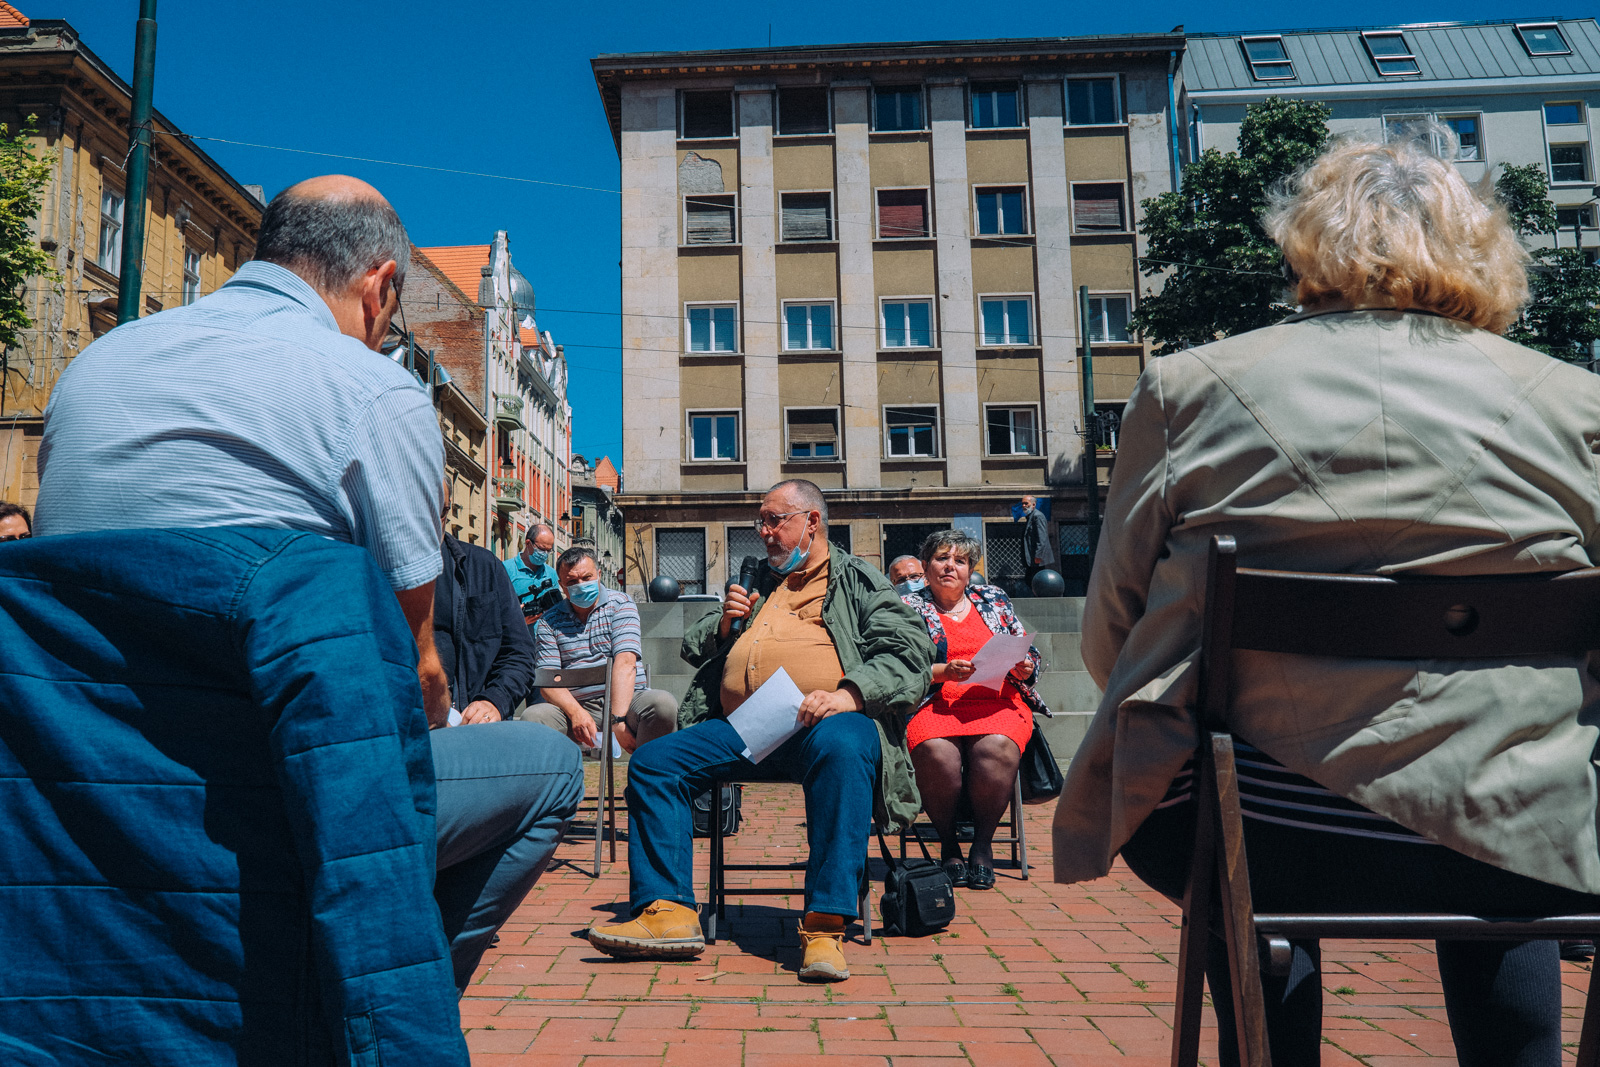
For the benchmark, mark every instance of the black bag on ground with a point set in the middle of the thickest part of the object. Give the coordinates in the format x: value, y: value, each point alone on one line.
x: 1039, y: 771
x: 918, y: 898
x: 700, y: 808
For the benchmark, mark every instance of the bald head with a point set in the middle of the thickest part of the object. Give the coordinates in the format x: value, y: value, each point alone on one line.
x: 333, y: 230
x: 334, y: 187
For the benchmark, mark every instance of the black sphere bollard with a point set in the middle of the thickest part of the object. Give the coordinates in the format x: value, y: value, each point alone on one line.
x: 977, y: 578
x: 1049, y: 583
x: 663, y: 590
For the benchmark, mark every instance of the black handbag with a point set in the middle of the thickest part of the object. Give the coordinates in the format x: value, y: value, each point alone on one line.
x: 1039, y: 771
x: 918, y: 898
x: 700, y: 808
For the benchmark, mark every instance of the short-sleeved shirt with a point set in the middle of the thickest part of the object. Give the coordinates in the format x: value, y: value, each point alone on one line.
x: 246, y: 408
x: 527, y: 582
x: 787, y: 632
x: 564, y: 640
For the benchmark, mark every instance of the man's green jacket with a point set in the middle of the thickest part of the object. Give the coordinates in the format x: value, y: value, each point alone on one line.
x: 884, y: 649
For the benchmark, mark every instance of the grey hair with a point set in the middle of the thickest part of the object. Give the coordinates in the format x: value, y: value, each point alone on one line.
x: 571, y: 556
x: 331, y: 241
x: 958, y: 541
x: 810, y: 495
x: 897, y: 559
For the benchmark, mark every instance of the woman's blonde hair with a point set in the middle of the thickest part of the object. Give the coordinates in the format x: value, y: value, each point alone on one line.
x: 1396, y: 224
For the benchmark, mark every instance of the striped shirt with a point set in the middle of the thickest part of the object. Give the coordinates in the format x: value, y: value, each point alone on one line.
x: 246, y: 408
x: 612, y: 626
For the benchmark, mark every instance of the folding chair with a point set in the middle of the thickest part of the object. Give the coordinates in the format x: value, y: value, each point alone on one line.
x: 605, y: 798
x: 1017, y: 838
x: 1348, y: 616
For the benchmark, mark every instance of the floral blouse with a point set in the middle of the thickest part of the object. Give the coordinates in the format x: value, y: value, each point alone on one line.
x: 994, y: 607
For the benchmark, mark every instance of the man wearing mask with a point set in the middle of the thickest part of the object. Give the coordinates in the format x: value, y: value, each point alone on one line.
x: 905, y: 574
x: 587, y: 629
x: 532, y: 577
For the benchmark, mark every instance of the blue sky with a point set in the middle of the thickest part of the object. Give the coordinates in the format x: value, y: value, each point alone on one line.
x: 505, y: 88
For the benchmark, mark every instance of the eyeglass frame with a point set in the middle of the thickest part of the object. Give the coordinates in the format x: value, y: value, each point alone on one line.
x: 762, y: 522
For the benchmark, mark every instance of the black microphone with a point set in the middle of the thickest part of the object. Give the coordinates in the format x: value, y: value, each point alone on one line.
x: 747, y: 581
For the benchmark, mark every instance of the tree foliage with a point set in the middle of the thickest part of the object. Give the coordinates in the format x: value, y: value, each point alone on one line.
x: 24, y: 173
x: 1562, y: 318
x: 1209, y: 232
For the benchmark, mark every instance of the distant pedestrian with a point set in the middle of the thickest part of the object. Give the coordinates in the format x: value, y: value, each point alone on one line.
x: 1037, y: 553
x: 15, y: 525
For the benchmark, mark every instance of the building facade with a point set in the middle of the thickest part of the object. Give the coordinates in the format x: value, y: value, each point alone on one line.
x: 596, y: 519
x: 859, y: 265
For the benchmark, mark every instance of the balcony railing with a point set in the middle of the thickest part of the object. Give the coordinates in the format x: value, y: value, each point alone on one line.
x: 508, y: 494
x: 508, y: 411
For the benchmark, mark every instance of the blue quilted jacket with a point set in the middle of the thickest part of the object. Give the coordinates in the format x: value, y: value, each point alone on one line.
x: 216, y: 808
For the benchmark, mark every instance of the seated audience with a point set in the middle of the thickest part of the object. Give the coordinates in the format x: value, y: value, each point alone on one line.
x: 905, y: 574
x: 861, y: 658
x: 15, y: 525
x: 962, y: 737
x: 1386, y: 428
x: 588, y: 628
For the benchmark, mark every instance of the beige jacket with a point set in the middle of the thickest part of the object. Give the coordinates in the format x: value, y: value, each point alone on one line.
x: 1350, y: 441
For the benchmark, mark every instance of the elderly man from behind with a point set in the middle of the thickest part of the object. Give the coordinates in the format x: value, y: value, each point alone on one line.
x: 532, y: 576
x: 14, y: 523
x: 590, y: 627
x: 861, y: 657
x: 905, y: 574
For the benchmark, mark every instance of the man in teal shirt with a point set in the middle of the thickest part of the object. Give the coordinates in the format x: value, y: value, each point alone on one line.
x: 532, y: 577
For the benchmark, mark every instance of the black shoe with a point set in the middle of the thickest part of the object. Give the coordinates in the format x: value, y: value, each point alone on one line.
x: 957, y: 870
x: 1577, y: 951
x: 979, y: 875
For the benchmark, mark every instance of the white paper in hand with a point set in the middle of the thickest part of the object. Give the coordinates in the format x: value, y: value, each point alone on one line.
x: 994, y: 660
x: 454, y: 718
x: 769, y: 717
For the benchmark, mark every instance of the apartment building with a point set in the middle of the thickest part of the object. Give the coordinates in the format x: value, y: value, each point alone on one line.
x: 859, y: 265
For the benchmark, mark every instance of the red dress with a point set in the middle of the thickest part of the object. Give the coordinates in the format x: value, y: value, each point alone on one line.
x: 959, y: 710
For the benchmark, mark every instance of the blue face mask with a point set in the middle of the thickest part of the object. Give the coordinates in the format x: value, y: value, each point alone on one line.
x: 583, y: 594
x: 910, y: 586
x: 537, y: 558
x: 796, y: 557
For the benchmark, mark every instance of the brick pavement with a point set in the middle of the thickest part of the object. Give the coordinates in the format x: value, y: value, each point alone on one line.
x: 1030, y: 975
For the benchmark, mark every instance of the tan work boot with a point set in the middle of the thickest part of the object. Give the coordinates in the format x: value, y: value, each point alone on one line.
x: 822, y: 938
x: 662, y: 931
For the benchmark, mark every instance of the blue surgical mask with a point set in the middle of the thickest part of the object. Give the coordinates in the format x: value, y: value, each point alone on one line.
x: 910, y: 586
x: 583, y: 594
x: 537, y: 558
x: 796, y: 557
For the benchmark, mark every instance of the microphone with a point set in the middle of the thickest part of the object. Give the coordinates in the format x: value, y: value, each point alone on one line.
x: 747, y: 579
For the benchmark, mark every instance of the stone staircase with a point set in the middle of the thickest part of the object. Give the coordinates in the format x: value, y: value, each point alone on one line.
x: 1064, y: 684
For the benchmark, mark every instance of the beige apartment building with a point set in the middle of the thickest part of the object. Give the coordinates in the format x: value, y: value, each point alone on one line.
x: 859, y: 264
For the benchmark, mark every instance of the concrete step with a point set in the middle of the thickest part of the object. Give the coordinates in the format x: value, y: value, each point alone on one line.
x: 1062, y: 614
x: 670, y: 620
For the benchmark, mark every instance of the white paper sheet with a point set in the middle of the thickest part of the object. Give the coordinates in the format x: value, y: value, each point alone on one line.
x: 454, y: 718
x: 994, y: 660
x: 769, y: 717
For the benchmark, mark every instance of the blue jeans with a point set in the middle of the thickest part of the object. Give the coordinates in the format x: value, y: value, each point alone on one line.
x: 506, y: 791
x: 836, y: 761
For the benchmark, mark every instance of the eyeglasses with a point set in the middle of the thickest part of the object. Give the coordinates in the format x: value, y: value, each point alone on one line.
x: 15, y: 537
x: 772, y: 522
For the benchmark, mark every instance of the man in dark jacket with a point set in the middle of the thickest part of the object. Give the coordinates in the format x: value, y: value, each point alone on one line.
x: 1036, y: 551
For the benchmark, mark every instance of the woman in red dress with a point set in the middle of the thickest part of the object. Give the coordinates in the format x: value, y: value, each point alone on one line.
x: 965, y: 735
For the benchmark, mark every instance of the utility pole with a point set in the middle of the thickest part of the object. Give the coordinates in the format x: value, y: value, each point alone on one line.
x: 1091, y: 473
x: 133, y: 206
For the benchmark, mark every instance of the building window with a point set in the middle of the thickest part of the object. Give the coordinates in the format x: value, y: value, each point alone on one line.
x: 1092, y: 102
x: 806, y: 217
x: 714, y: 435
x: 681, y: 555
x: 1390, y: 53
x: 111, y: 208
x: 897, y: 108
x: 1007, y: 320
x: 742, y: 541
x: 1108, y: 319
x: 191, y: 276
x: 1564, y: 113
x: 1267, y: 58
x: 706, y: 114
x: 1012, y: 431
x: 1543, y: 39
x: 713, y: 327
x: 1568, y: 217
x: 911, y: 431
x: 803, y: 111
x: 708, y: 220
x: 813, y: 433
x: 1107, y: 428
x: 1469, y: 136
x: 1000, y: 211
x: 1569, y: 163
x: 902, y: 213
x: 808, y: 326
x: 908, y: 324
x: 1097, y: 208
x: 994, y: 105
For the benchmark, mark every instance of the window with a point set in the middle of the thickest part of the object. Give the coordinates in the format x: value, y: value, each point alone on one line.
x: 808, y: 326
x: 1568, y: 217
x: 191, y: 276
x: 708, y: 220
x: 1107, y: 428
x: 1108, y: 319
x: 1390, y: 53
x: 907, y: 324
x: 1012, y: 431
x: 1092, y: 102
x: 1401, y: 127
x: 714, y: 435
x: 1569, y: 163
x: 1543, y: 39
x: 707, y: 114
x: 1469, y: 138
x: 803, y: 111
x: 742, y: 542
x: 897, y: 108
x: 1007, y: 320
x: 902, y: 213
x: 1097, y: 208
x: 1468, y: 130
x: 813, y: 433
x: 1566, y: 113
x: 994, y: 105
x: 1000, y: 211
x: 681, y: 555
x: 806, y: 216
x: 1267, y: 58
x: 713, y: 328
x: 911, y: 431
x: 111, y: 205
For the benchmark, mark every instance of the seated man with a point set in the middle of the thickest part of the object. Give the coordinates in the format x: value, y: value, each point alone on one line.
x: 532, y: 577
x: 905, y: 574
x: 588, y: 628
x: 861, y: 657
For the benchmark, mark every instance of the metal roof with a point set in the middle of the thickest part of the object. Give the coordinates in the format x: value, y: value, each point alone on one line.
x: 1444, y: 52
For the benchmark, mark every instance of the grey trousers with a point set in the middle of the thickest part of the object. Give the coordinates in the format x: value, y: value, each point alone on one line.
x: 652, y: 713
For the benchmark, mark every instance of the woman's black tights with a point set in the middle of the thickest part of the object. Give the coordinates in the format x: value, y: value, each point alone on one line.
x: 987, y: 765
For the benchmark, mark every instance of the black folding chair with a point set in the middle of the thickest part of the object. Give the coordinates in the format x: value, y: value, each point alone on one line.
x: 1016, y: 834
x: 1348, y: 616
x: 605, y: 798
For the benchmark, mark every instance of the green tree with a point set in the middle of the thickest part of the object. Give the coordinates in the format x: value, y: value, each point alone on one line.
x: 24, y: 173
x: 1562, y: 318
x: 1225, y: 275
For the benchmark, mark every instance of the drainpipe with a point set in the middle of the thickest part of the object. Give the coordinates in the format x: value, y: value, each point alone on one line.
x: 1172, y: 117
x: 1194, y: 137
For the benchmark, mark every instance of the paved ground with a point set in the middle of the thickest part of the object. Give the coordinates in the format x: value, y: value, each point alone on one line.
x: 1029, y: 975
